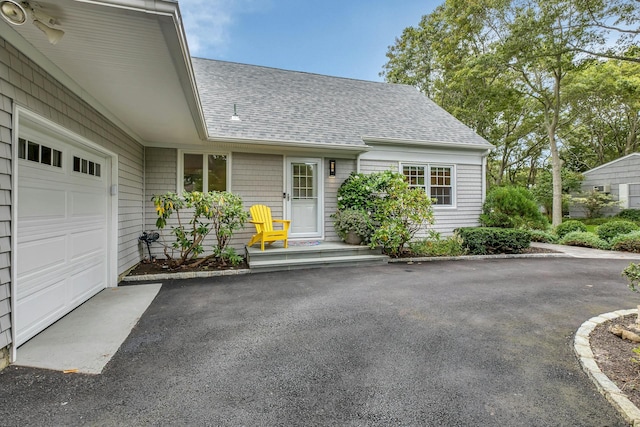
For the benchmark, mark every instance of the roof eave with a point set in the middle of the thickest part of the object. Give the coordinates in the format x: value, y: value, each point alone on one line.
x: 293, y: 144
x: 426, y: 143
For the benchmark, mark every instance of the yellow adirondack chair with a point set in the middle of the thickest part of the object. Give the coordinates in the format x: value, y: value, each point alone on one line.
x: 261, y: 218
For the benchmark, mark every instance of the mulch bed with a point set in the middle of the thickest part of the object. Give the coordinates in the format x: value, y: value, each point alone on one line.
x: 613, y: 355
x: 160, y: 266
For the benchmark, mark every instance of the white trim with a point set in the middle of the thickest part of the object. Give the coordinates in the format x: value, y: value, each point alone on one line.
x: 426, y: 155
x: 311, y: 146
x: 204, y: 153
x: 611, y: 163
x: 427, y: 178
x: 48, y: 127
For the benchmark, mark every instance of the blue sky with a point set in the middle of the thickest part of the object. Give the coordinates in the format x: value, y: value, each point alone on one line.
x: 344, y: 38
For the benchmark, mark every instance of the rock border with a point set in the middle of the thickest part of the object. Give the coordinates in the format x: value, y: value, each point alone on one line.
x: 185, y: 275
x: 582, y: 348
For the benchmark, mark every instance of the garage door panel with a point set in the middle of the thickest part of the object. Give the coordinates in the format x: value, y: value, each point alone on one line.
x: 84, y: 283
x: 38, y: 203
x: 40, y: 309
x: 87, y: 204
x: 40, y: 254
x: 87, y: 243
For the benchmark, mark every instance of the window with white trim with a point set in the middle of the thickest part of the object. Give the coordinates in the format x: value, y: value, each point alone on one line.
x: 435, y: 180
x: 203, y: 172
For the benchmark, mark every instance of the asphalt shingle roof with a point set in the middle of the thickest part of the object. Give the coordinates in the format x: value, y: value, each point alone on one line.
x: 280, y: 105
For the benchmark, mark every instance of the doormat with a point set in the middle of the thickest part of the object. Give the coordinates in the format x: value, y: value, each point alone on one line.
x: 305, y: 243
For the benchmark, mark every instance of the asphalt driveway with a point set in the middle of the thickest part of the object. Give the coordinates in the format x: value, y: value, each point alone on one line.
x: 458, y: 343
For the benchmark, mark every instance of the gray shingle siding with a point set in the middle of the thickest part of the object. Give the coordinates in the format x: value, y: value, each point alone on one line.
x: 468, y: 188
x: 625, y: 170
x: 25, y: 83
x: 344, y: 167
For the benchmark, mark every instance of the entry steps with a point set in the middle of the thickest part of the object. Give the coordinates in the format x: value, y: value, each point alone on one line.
x: 300, y: 255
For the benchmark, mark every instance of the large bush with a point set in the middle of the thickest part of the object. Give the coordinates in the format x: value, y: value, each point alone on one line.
x: 196, y: 215
x: 585, y: 240
x: 630, y: 215
x: 612, y: 229
x: 488, y: 241
x: 543, y: 236
x: 400, y: 213
x: 627, y: 242
x: 511, y: 207
x: 569, y: 227
x: 361, y: 191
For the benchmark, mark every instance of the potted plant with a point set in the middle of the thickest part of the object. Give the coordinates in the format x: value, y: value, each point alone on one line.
x: 352, y: 225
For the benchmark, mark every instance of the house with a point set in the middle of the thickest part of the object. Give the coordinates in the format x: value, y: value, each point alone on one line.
x: 620, y: 178
x: 94, y: 123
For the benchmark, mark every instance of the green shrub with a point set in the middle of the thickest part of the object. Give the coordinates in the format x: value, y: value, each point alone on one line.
x: 511, y: 207
x: 569, y: 227
x: 543, y: 236
x: 614, y: 228
x: 594, y: 221
x: 584, y: 239
x: 594, y: 202
x: 400, y: 213
x: 355, y: 220
x: 632, y: 273
x: 435, y: 246
x: 491, y: 240
x: 627, y: 242
x: 360, y: 191
x: 629, y: 214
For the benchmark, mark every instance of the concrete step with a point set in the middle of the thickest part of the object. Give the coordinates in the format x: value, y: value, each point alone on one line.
x: 320, y: 251
x: 317, y: 262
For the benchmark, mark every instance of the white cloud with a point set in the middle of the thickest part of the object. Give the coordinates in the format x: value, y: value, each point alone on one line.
x: 208, y: 23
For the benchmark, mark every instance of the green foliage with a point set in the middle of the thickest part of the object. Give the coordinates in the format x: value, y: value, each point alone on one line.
x: 630, y: 215
x: 584, y: 239
x: 220, y: 212
x: 356, y: 220
x: 511, y: 207
x: 543, y: 236
x: 569, y: 227
x: 361, y: 191
x: 629, y: 242
x: 488, y: 241
x: 400, y: 213
x: 228, y: 256
x: 632, y: 273
x: 435, y: 246
x: 227, y: 216
x: 594, y: 202
x: 594, y: 221
x: 543, y: 189
x: 612, y: 229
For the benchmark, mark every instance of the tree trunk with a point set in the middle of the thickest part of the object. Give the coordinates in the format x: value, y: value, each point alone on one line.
x: 553, y: 118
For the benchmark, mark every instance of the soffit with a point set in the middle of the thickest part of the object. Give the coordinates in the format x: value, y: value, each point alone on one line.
x: 131, y: 64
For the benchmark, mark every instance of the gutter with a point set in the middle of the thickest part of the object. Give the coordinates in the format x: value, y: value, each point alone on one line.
x: 292, y: 144
x: 423, y: 143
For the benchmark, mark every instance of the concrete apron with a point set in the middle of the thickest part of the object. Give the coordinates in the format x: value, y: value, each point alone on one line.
x: 87, y: 338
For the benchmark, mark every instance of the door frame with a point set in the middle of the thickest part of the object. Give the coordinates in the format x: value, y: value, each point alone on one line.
x: 53, y: 130
x: 287, y: 185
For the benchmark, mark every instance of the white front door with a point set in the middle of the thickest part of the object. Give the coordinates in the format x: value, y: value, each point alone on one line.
x: 304, y: 197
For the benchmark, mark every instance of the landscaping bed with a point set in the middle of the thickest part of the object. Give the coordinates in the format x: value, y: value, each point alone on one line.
x: 161, y: 266
x: 613, y: 356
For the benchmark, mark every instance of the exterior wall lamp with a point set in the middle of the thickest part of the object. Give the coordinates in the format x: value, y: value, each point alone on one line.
x: 332, y: 167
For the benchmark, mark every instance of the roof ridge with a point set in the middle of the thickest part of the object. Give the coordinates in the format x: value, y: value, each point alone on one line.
x: 298, y: 71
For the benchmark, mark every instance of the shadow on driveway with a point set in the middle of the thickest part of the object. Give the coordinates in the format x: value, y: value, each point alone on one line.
x: 441, y: 344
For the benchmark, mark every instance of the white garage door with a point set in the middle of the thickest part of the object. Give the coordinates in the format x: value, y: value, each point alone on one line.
x: 62, y: 249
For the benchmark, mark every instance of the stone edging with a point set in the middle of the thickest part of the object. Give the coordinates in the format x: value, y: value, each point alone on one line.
x: 185, y: 275
x: 475, y: 257
x: 611, y: 392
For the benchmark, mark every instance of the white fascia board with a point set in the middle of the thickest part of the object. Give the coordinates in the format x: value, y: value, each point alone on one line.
x: 298, y: 145
x: 443, y: 144
x: 611, y: 163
